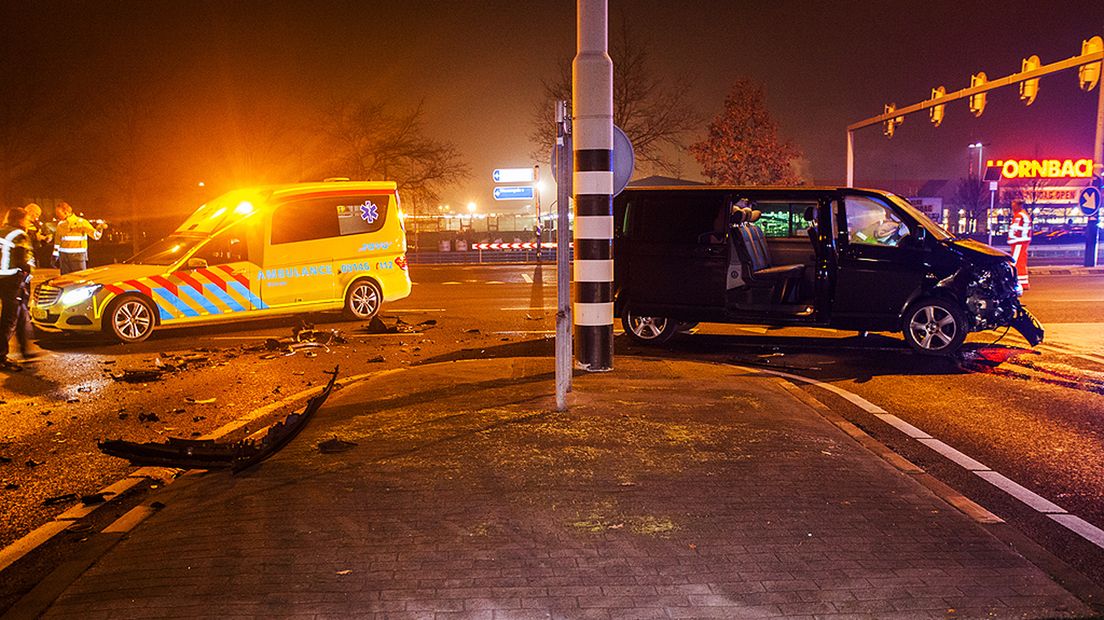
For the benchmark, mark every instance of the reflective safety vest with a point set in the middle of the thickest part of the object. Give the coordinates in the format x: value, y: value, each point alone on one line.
x: 1020, y: 229
x: 15, y: 251
x: 72, y: 235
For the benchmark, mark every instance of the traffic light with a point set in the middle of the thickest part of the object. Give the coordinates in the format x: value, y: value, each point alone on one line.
x: 891, y: 124
x: 936, y: 111
x: 1029, y: 88
x: 1090, y: 74
x: 977, y: 102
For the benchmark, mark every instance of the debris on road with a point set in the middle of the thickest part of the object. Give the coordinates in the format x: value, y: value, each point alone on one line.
x: 59, y: 499
x: 138, y: 376
x: 303, y: 336
x: 377, y: 326
x: 201, y: 401
x: 375, y: 360
x: 766, y: 361
x: 34, y: 463
x: 93, y: 499
x: 334, y: 445
x: 148, y: 417
x: 207, y: 454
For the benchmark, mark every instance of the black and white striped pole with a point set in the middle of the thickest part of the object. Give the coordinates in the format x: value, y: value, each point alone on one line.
x: 592, y: 129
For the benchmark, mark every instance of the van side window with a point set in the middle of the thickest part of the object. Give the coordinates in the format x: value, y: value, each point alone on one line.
x: 783, y: 219
x: 871, y: 223
x: 362, y: 214
x: 230, y: 246
x: 305, y: 220
x: 682, y: 217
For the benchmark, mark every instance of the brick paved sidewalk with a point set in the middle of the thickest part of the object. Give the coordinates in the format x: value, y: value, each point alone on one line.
x: 670, y: 490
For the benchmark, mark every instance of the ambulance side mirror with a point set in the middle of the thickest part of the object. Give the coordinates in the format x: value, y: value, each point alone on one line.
x: 197, y: 263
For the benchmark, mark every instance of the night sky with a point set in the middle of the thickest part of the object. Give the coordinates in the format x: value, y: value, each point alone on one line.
x: 228, y: 77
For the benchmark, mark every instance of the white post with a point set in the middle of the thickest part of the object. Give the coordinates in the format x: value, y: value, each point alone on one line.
x: 850, y: 158
x: 592, y: 93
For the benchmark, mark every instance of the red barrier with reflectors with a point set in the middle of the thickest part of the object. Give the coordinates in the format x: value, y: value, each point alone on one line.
x: 531, y: 245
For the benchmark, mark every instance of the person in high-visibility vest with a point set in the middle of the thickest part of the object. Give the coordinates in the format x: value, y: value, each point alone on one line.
x: 1019, y: 237
x: 71, y: 239
x: 16, y: 264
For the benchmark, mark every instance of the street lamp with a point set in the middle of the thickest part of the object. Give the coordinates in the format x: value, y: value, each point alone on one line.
x: 992, y: 193
x: 981, y: 148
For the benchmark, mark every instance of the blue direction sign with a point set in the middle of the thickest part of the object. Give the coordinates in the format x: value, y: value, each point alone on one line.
x: 1089, y: 201
x: 514, y: 192
x: 513, y: 175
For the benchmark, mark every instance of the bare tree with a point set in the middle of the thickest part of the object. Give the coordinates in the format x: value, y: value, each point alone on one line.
x: 365, y: 140
x: 971, y: 197
x: 653, y: 114
x: 742, y: 146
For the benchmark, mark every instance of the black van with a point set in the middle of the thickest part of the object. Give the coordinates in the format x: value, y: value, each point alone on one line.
x: 844, y: 258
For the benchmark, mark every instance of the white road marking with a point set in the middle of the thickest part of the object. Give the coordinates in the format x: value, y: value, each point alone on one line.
x: 393, y: 309
x: 452, y: 282
x: 1030, y: 498
x: 528, y: 278
x: 1025, y: 495
x: 494, y: 282
x: 1083, y: 528
x: 527, y: 308
x: 964, y: 461
x: 902, y: 426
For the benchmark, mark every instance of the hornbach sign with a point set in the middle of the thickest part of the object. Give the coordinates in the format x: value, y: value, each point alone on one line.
x: 1044, y: 168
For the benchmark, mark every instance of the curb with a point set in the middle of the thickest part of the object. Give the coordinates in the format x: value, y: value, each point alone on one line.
x: 1059, y: 270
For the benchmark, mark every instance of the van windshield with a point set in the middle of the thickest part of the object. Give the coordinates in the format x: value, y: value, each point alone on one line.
x: 165, y: 252
x: 934, y: 229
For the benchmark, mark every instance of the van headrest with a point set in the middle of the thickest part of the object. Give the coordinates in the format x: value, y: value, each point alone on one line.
x: 737, y: 216
x: 747, y: 215
x: 810, y: 213
x: 755, y: 215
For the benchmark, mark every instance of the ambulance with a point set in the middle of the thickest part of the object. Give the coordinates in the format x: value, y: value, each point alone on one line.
x: 257, y: 252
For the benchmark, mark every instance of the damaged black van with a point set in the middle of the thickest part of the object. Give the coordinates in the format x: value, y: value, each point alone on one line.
x: 843, y: 258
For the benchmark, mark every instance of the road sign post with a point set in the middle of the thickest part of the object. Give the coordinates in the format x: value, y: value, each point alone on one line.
x: 1089, y: 203
x: 563, y: 254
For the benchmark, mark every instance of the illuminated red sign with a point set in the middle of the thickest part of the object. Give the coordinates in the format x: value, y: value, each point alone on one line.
x: 1044, y: 168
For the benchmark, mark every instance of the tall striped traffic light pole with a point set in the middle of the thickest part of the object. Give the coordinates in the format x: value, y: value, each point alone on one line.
x: 592, y: 104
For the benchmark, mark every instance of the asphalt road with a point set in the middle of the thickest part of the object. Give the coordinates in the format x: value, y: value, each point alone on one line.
x: 1035, y: 416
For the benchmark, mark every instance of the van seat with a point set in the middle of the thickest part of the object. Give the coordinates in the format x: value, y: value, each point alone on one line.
x: 755, y: 254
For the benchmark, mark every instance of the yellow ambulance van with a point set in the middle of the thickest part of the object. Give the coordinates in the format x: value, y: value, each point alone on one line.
x: 263, y: 251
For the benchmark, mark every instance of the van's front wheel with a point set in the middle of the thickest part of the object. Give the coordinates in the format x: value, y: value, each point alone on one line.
x: 648, y: 329
x: 129, y: 319
x: 363, y: 300
x: 934, y: 327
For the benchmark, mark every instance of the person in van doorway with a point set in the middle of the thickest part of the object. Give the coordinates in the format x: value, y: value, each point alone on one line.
x: 16, y: 264
x: 71, y: 239
x: 1019, y: 237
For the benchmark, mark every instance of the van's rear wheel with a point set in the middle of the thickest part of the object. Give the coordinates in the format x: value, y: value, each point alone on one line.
x: 649, y: 329
x: 934, y: 327
x: 129, y: 319
x: 363, y: 300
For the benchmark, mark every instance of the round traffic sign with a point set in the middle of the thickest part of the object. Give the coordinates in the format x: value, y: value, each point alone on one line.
x: 624, y: 161
x: 1089, y: 201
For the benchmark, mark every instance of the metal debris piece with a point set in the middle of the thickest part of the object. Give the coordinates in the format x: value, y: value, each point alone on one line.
x: 93, y: 498
x: 334, y: 445
x: 84, y: 388
x: 139, y: 376
x: 11, y: 486
x: 201, y: 401
x: 207, y: 454
x: 59, y: 499
x: 375, y: 360
x: 33, y: 463
x: 148, y: 417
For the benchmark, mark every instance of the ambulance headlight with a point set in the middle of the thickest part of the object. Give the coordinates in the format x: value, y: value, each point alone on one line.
x: 79, y: 295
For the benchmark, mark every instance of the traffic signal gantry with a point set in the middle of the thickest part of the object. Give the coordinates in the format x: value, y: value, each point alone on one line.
x: 1088, y: 64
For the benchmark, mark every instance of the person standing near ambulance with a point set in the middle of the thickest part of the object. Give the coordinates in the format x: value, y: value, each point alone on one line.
x: 1019, y: 237
x: 71, y: 239
x: 16, y: 265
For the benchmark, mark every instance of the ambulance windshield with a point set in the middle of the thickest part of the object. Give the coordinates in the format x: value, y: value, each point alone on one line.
x: 164, y: 252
